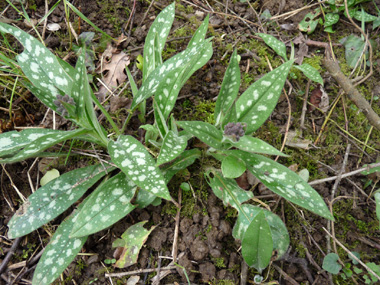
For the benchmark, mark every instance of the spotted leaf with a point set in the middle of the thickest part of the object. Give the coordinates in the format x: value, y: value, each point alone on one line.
x: 310, y: 72
x: 172, y: 146
x: 41, y: 67
x: 279, y: 233
x: 206, y: 132
x: 277, y: 45
x: 52, y: 199
x: 257, y: 243
x: 186, y: 158
x: 227, y: 190
x: 139, y: 166
x: 40, y: 143
x: 109, y: 203
x: 200, y: 33
x: 229, y: 89
x: 160, y: 30
x: 256, y: 104
x: 131, y: 242
x: 256, y: 145
x: 284, y: 182
x: 59, y: 253
x: 13, y: 141
x: 167, y: 73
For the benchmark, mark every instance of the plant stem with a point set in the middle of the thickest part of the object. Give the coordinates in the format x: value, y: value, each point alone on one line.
x: 106, y: 114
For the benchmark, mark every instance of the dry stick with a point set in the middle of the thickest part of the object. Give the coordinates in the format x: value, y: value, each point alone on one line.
x: 330, y: 224
x: 348, y: 174
x: 14, y: 246
x: 352, y: 93
x: 352, y: 256
x: 304, y: 106
x: 140, y: 271
x: 45, y: 22
x: 286, y: 276
x: 292, y: 13
x: 176, y: 230
x: 243, y: 273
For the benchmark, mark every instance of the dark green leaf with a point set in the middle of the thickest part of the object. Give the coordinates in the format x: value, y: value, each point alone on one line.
x: 310, y: 72
x: 206, y: 132
x: 277, y: 45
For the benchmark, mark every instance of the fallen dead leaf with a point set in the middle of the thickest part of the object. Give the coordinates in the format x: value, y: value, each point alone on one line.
x: 293, y: 140
x: 319, y: 99
x: 112, y: 67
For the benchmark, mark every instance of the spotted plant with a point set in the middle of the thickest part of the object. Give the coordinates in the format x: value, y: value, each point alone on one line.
x: 137, y: 174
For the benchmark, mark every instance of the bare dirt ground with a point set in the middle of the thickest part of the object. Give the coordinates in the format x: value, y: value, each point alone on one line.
x: 208, y: 252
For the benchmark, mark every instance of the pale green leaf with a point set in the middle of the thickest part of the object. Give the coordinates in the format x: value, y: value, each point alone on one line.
x: 331, y: 19
x: 131, y: 241
x: 229, y: 89
x: 200, y: 33
x: 49, y: 176
x: 364, y: 16
x: 277, y: 45
x: 59, y: 253
x: 377, y: 200
x: 172, y: 146
x: 109, y: 203
x: 206, y: 132
x: 54, y: 198
x: 257, y: 243
x: 139, y: 166
x: 256, y: 104
x: 310, y: 72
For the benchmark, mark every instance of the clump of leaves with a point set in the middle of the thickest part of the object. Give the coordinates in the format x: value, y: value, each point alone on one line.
x: 132, y: 172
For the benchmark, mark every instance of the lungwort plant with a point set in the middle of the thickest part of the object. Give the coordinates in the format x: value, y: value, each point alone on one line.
x: 142, y: 172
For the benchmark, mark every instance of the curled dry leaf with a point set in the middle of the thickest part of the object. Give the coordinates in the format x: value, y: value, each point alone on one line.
x: 53, y: 27
x: 319, y: 99
x: 112, y: 67
x: 293, y: 140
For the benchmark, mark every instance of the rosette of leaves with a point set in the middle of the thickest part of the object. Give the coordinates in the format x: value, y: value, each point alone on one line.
x: 231, y: 142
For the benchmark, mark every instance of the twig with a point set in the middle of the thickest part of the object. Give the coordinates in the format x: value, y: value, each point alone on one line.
x: 348, y: 174
x: 304, y: 106
x: 294, y: 12
x: 352, y: 93
x: 286, y: 276
x: 140, y: 271
x: 353, y: 256
x: 243, y: 273
x: 176, y: 230
x: 45, y: 22
x: 5, y: 261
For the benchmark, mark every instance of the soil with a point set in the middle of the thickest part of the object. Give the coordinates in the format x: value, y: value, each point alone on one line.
x: 206, y: 248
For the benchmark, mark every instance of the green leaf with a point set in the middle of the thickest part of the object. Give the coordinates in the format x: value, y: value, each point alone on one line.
x: 257, y: 243
x: 370, y: 170
x: 160, y: 121
x: 131, y: 240
x: 206, y: 132
x: 41, y: 67
x: 167, y: 75
x: 310, y: 72
x: 331, y: 19
x: 109, y: 203
x: 277, y: 45
x: 354, y: 47
x: 200, y: 33
x: 41, y: 143
x: 132, y: 82
x: 167, y: 93
x: 232, y: 167
x: 280, y: 236
x: 375, y: 268
x: 256, y: 104
x: 139, y: 166
x: 172, y: 147
x: 256, y: 145
x: 59, y: 253
x: 284, y: 182
x: 363, y: 16
x: 159, y: 29
x: 330, y: 263
x: 309, y: 23
x: 356, y: 254
x: 54, y: 198
x: 227, y: 190
x: 377, y: 200
x: 229, y: 89
x: 11, y: 142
